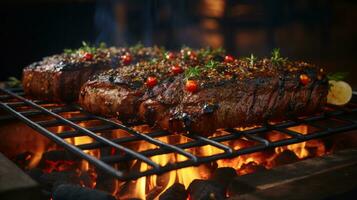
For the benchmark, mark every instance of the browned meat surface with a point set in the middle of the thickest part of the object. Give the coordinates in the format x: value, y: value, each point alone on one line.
x: 118, y: 92
x: 60, y: 77
x: 230, y: 94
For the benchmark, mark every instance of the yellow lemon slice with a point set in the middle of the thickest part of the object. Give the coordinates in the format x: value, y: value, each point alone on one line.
x: 340, y: 93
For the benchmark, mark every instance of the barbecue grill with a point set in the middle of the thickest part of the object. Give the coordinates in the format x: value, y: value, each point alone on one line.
x: 12, y: 99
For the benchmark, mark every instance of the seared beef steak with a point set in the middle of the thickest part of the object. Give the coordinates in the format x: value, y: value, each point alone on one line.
x: 119, y: 92
x: 238, y: 102
x: 230, y: 93
x: 60, y: 77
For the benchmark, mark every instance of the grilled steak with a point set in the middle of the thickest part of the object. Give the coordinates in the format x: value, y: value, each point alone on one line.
x: 118, y: 92
x: 230, y: 93
x: 59, y: 77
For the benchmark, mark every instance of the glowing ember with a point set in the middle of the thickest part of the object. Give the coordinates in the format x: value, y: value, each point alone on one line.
x: 151, y: 187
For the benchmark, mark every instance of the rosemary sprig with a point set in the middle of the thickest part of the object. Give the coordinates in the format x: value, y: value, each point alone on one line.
x: 276, y: 57
x: 338, y: 76
x: 192, y: 72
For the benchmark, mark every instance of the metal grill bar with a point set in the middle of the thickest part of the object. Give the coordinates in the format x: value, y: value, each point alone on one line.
x: 10, y: 101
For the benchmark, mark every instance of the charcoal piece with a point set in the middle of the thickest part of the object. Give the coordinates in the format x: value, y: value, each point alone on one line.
x: 177, y: 191
x: 22, y: 160
x: 53, y: 179
x: 56, y: 155
x: 105, y: 182
x: 286, y: 157
x: 74, y: 192
x: 224, y: 176
x: 250, y: 167
x: 205, y: 190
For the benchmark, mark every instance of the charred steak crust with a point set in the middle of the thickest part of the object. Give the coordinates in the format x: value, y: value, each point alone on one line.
x: 60, y: 77
x: 119, y: 92
x: 230, y: 95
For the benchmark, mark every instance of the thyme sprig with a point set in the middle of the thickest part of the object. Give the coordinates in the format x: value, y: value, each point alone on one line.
x: 192, y: 72
x: 338, y: 76
x: 276, y: 57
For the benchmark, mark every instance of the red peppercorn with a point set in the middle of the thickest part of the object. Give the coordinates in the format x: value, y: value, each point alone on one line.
x: 169, y: 55
x: 191, y: 86
x: 192, y: 55
x: 304, y: 79
x: 126, y: 59
x: 151, y: 81
x: 228, y: 59
x: 176, y: 69
x: 87, y: 56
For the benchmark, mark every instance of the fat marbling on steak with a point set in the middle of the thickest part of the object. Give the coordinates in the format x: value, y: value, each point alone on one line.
x: 60, y: 77
x: 230, y: 94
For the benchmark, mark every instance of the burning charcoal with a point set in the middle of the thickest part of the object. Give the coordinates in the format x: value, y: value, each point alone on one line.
x: 53, y: 179
x: 58, y: 155
x: 86, y: 179
x: 250, y: 168
x: 22, y: 160
x: 105, y: 182
x: 74, y: 192
x: 286, y: 157
x: 176, y: 191
x: 224, y: 176
x: 55, y: 156
x: 205, y: 190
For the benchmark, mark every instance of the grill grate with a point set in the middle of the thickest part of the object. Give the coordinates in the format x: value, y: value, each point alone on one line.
x: 12, y: 101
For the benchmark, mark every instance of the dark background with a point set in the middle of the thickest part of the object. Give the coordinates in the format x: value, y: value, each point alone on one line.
x: 323, y: 32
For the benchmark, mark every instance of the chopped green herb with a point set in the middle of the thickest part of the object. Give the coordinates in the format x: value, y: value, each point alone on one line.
x: 86, y: 47
x: 276, y: 57
x: 211, y: 64
x: 192, y: 72
x: 338, y: 76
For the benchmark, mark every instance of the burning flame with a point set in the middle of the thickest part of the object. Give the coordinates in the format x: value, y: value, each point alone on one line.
x: 151, y: 187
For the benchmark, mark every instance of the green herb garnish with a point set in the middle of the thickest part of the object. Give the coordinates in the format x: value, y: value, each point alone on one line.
x: 13, y: 82
x: 338, y: 76
x: 276, y: 57
x: 86, y: 47
x: 212, y: 64
x: 136, y: 47
x: 192, y: 72
x: 252, y: 59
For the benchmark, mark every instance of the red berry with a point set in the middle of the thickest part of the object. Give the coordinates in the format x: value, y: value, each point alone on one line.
x: 176, y: 69
x: 169, y: 55
x: 151, y: 81
x: 126, y: 59
x: 88, y: 56
x: 228, y: 59
x: 304, y: 79
x: 191, y: 86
